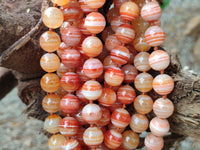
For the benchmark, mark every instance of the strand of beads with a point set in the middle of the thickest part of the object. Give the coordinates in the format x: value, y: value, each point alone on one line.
x: 50, y: 82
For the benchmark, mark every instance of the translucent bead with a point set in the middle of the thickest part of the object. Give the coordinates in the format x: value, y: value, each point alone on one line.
x: 50, y: 82
x: 163, y: 84
x: 129, y: 11
x: 82, y: 74
x: 51, y: 123
x: 65, y: 24
x: 111, y: 126
x: 60, y: 2
x: 140, y: 26
x: 163, y: 108
x: 106, y: 32
x: 85, y: 8
x: 151, y: 11
x: 113, y: 12
x: 141, y: 61
x: 143, y: 104
x: 93, y: 136
x: 115, y: 106
x: 51, y: 103
x: 140, y: 44
x: 71, y: 58
x: 154, y: 36
x: 108, y: 97
x: 105, y: 119
x: 49, y: 62
x: 120, y: 55
x: 112, y: 42
x: 139, y: 123
x: 95, y: 22
x: 78, y: 116
x: 114, y: 76
x: 130, y: 140
x: 70, y: 104
x: 70, y: 81
x: 159, y: 126
x: 125, y: 33
x: 112, y: 139
x: 130, y: 73
x: 91, y: 113
x: 93, y: 68
x: 120, y: 118
x: 55, y: 142
x: 83, y: 28
x: 143, y: 82
x: 71, y: 144
x: 61, y: 48
x: 126, y: 94
x: 107, y: 63
x: 159, y: 60
x: 95, y: 3
x: 71, y: 35
x: 153, y: 142
x: 92, y: 90
x: 62, y: 70
x: 50, y: 41
x: 116, y: 22
x: 118, y: 3
x: 68, y: 126
x: 92, y: 46
x: 52, y: 17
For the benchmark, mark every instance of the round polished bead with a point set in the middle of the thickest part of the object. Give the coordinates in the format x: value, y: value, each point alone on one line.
x: 51, y: 103
x: 70, y: 81
x: 49, y: 62
x: 91, y: 113
x: 71, y: 35
x: 93, y: 68
x: 95, y: 3
x: 163, y: 108
x: 62, y: 69
x: 105, y: 119
x: 159, y: 60
x: 50, y: 41
x: 108, y: 97
x: 115, y: 106
x: 140, y: 44
x: 129, y: 11
x: 126, y: 94
x: 143, y: 104
x: 92, y: 90
x: 120, y: 55
x: 78, y: 116
x: 112, y: 42
x: 159, y: 126
x: 68, y: 126
x: 85, y: 8
x: 130, y: 140
x: 143, y: 82
x: 61, y: 48
x: 51, y: 123
x: 113, y: 139
x: 120, y: 118
x: 83, y: 28
x: 60, y: 2
x: 139, y: 123
x: 154, y: 36
x: 93, y: 136
x: 55, y: 142
x: 114, y: 76
x: 153, y: 142
x: 71, y: 144
x: 50, y: 82
x: 79, y: 94
x: 82, y: 74
x: 70, y: 104
x: 163, y: 84
x: 130, y: 73
x: 140, y: 26
x: 106, y: 32
x: 52, y: 17
x: 95, y: 22
x: 116, y: 22
x: 141, y: 61
x: 107, y: 63
x: 65, y: 24
x: 92, y: 46
x: 151, y: 11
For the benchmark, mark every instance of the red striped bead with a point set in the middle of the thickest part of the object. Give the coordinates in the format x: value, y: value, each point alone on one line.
x: 111, y: 126
x: 112, y: 42
x: 113, y: 139
x: 71, y: 144
x: 108, y: 97
x: 129, y: 11
x: 70, y: 104
x: 118, y: 3
x: 85, y: 8
x: 62, y: 70
x: 120, y: 55
x: 126, y: 94
x: 64, y: 25
x: 105, y: 119
x: 116, y: 22
x: 130, y: 73
x: 95, y: 3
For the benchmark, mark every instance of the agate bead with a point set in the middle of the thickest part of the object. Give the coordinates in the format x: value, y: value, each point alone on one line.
x: 83, y: 28
x: 52, y: 17
x: 93, y: 136
x: 141, y: 61
x: 60, y: 2
x: 159, y: 60
x: 85, y: 8
x: 51, y: 103
x: 51, y: 123
x: 140, y: 26
x: 113, y: 139
x: 153, y: 142
x: 108, y: 97
x: 140, y: 44
x: 91, y: 113
x: 163, y: 84
x: 139, y: 123
x: 126, y: 94
x: 163, y: 108
x: 50, y: 82
x: 116, y: 22
x: 55, y: 142
x: 107, y: 63
x: 143, y: 82
x: 143, y: 104
x: 65, y: 24
x: 50, y: 41
x: 129, y: 11
x: 95, y: 3
x: 154, y: 36
x: 105, y: 119
x: 79, y: 94
x: 71, y: 144
x: 62, y: 69
x: 112, y: 42
x: 130, y: 140
x: 130, y: 73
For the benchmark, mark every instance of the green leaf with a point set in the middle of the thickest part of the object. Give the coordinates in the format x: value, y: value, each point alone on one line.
x: 165, y: 3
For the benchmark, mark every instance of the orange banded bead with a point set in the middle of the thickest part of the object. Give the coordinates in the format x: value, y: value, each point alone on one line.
x: 95, y: 3
x: 108, y: 97
x: 55, y: 142
x: 153, y: 142
x: 113, y: 139
x: 71, y: 144
x: 143, y: 104
x: 130, y: 140
x: 51, y: 123
x: 141, y: 61
x: 129, y: 11
x: 51, y: 103
x: 130, y: 73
